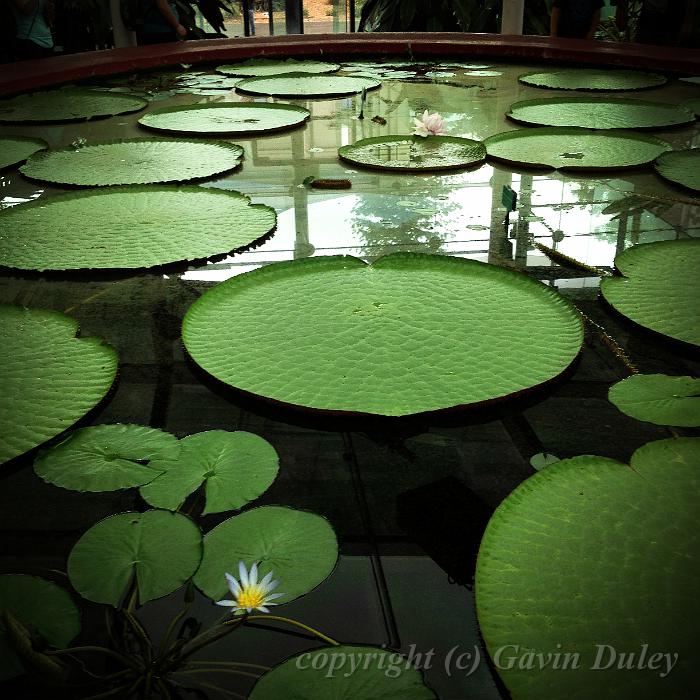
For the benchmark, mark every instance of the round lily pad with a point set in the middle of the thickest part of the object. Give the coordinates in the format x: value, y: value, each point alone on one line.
x: 658, y: 398
x: 681, y: 167
x: 345, y: 671
x: 39, y: 605
x: 562, y: 147
x: 236, y: 468
x: 68, y: 104
x: 593, y: 79
x: 305, y: 85
x: 49, y: 378
x: 658, y: 289
x: 299, y: 548
x: 16, y: 149
x: 576, y: 564
x: 594, y: 113
x: 265, y: 67
x: 694, y: 105
x: 414, y: 153
x: 162, y: 549
x: 134, y: 161
x: 106, y: 457
x: 229, y: 118
x: 408, y: 334
x: 129, y: 227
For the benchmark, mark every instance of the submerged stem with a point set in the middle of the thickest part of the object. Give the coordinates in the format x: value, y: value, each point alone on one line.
x: 295, y: 623
x: 103, y: 650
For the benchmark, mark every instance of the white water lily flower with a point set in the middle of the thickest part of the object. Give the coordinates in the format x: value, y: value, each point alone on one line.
x: 249, y: 594
x: 429, y: 125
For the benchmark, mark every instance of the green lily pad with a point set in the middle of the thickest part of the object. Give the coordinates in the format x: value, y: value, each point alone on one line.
x: 67, y: 104
x: 659, y: 287
x: 40, y: 605
x: 129, y: 227
x: 541, y: 460
x: 134, y: 162
x: 345, y: 671
x: 569, y: 148
x: 414, y: 153
x: 694, y: 105
x: 593, y: 79
x: 265, y: 67
x: 658, y: 398
x: 162, y: 549
x: 49, y: 378
x: 305, y: 85
x: 594, y: 113
x: 16, y: 149
x: 106, y: 457
x: 578, y: 561
x: 409, y: 334
x: 229, y: 118
x: 235, y: 467
x: 300, y: 549
x: 681, y: 167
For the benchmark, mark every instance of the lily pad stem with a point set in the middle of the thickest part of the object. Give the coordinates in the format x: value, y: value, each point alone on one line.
x: 294, y: 623
x: 103, y: 650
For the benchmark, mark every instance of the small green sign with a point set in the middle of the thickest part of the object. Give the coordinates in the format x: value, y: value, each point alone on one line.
x: 509, y: 198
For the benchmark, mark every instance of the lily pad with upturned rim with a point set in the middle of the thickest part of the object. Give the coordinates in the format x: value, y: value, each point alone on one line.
x: 659, y: 287
x: 574, y: 148
x: 581, y: 554
x: 300, y: 549
x: 137, y: 226
x: 134, y: 162
x: 265, y: 67
x: 305, y: 85
x: 16, y: 149
x: 409, y: 334
x: 593, y: 79
x: 681, y: 167
x: 50, y: 378
x: 229, y: 118
x: 414, y: 153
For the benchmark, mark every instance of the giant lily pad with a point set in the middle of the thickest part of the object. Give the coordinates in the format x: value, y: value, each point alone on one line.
x: 133, y: 162
x: 16, y: 149
x: 411, y: 333
x: 127, y: 227
x: 659, y: 287
x: 345, y: 671
x: 300, y: 549
x: 161, y: 549
x: 38, y: 604
x: 578, y: 561
x: 305, y: 85
x: 561, y: 147
x: 594, y: 113
x: 228, y: 118
x: 49, y: 378
x: 658, y: 398
x: 593, y: 79
x: 681, y: 167
x: 106, y: 457
x: 67, y: 104
x: 235, y: 467
x: 414, y: 153
x: 264, y: 67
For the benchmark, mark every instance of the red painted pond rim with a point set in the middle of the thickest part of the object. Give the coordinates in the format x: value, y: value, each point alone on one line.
x: 30, y: 75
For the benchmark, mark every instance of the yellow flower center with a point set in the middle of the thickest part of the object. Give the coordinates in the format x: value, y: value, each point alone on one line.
x: 251, y: 597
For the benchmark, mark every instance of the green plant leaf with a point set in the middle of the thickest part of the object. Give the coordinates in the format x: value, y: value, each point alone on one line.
x: 681, y: 167
x: 16, y: 149
x: 694, y: 105
x: 658, y: 398
x: 542, y: 460
x: 345, y: 671
x: 409, y: 334
x: 658, y: 289
x: 226, y: 118
x: 300, y: 549
x: 39, y: 605
x: 130, y: 227
x: 588, y: 556
x: 106, y: 457
x: 134, y: 162
x: 265, y: 67
x: 593, y: 79
x: 235, y: 467
x: 414, y: 153
x: 49, y: 378
x: 305, y: 85
x: 161, y: 549
x: 574, y: 148
x: 594, y: 113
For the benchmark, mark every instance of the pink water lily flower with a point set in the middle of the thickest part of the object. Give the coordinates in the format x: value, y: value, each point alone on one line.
x: 429, y: 125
